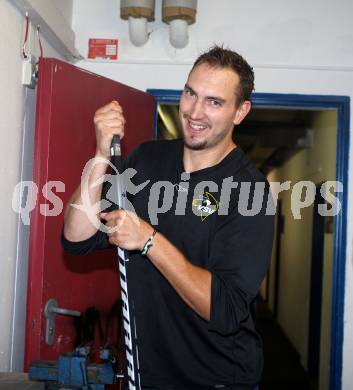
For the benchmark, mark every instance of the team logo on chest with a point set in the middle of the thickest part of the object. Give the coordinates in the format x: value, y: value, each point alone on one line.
x: 205, y: 205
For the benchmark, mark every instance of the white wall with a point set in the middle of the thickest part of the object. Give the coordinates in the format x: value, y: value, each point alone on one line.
x: 65, y: 7
x: 13, y: 266
x: 269, y: 34
x: 303, y: 47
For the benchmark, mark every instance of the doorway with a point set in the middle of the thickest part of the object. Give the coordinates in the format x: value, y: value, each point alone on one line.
x: 306, y: 105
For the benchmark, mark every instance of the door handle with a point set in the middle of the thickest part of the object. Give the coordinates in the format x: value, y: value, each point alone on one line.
x: 50, y: 311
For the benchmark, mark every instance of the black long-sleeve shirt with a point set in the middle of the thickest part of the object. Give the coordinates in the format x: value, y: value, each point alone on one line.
x: 179, y: 350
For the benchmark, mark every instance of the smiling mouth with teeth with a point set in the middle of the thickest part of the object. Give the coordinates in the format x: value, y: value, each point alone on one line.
x: 197, y: 127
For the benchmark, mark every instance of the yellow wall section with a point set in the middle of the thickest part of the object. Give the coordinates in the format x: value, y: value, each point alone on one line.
x: 316, y: 164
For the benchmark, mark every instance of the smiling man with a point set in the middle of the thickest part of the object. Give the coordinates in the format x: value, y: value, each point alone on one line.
x: 194, y: 277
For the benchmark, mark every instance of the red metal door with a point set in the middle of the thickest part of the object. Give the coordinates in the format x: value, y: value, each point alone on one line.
x: 67, y: 98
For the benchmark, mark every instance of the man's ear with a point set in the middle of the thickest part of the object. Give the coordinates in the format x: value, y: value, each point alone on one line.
x: 242, y: 112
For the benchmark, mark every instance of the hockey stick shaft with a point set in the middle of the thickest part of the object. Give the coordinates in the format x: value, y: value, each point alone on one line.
x: 129, y: 327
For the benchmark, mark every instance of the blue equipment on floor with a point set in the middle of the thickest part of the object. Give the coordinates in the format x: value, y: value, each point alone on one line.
x: 73, y: 371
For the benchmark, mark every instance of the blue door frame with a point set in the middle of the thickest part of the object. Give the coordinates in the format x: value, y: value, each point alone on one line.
x: 342, y: 105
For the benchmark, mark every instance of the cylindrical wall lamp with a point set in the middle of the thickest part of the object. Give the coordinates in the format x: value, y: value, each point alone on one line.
x: 179, y: 14
x: 138, y: 13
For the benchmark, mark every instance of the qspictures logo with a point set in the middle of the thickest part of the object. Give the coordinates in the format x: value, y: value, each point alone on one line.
x: 161, y: 196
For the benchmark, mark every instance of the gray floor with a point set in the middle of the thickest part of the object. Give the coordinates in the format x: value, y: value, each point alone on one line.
x: 18, y: 381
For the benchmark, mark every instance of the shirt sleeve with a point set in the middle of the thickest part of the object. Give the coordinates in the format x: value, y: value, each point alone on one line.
x: 98, y: 241
x: 239, y: 258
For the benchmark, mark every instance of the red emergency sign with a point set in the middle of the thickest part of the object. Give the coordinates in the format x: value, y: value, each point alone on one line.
x: 106, y: 49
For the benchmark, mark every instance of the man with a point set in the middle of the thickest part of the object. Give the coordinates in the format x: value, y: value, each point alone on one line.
x: 195, y: 287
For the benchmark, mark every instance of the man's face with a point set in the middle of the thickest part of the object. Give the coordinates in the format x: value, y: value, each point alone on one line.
x: 208, y: 109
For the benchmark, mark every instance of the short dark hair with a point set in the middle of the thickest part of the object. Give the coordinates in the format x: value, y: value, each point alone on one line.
x: 217, y: 56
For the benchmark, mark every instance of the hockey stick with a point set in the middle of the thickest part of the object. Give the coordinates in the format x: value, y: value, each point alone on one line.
x: 129, y: 326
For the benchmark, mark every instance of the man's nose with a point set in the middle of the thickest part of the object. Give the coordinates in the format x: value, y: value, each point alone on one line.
x: 196, y: 110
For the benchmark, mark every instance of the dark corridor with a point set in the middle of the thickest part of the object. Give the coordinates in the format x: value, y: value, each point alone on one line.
x: 282, y: 368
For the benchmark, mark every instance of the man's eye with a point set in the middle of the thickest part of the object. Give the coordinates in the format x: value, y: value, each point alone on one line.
x: 215, y: 103
x: 189, y: 92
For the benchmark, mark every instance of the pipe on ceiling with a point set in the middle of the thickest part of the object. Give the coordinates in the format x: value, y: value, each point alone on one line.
x: 179, y: 14
x: 138, y: 13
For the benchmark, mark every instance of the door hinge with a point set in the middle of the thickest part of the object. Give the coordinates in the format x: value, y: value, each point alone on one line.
x: 29, y: 72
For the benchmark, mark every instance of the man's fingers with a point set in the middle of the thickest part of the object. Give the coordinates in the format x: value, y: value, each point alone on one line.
x: 108, y: 216
x: 117, y: 123
x: 113, y: 223
x: 113, y: 227
x: 114, y: 105
x: 107, y: 126
x: 109, y: 115
x: 112, y: 215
